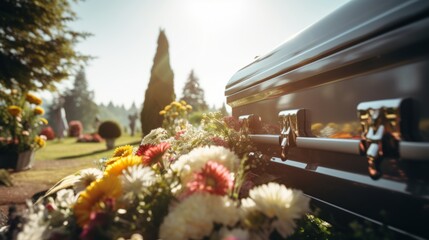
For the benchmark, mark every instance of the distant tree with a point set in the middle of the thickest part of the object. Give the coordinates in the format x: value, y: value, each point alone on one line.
x: 160, y: 90
x: 78, y: 102
x: 36, y: 45
x: 223, y: 110
x: 193, y: 94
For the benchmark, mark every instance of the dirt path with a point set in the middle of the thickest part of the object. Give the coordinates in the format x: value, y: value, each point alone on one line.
x: 27, y: 183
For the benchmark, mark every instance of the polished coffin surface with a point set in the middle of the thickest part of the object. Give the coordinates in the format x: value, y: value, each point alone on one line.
x: 352, y: 56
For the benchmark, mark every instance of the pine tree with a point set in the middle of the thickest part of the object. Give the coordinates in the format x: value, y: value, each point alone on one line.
x: 160, y: 90
x: 78, y: 102
x: 193, y: 94
x: 36, y: 45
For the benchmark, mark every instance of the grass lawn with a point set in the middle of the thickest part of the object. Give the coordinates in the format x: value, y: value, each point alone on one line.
x: 68, y: 148
x: 61, y: 158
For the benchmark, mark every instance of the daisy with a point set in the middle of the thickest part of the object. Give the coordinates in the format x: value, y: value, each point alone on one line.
x: 118, y: 166
x: 87, y: 176
x: 213, y: 178
x: 94, y: 196
x: 136, y: 179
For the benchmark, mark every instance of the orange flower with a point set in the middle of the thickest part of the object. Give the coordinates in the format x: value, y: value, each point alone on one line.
x: 14, y: 110
x: 39, y: 111
x: 33, y: 99
x: 93, y: 198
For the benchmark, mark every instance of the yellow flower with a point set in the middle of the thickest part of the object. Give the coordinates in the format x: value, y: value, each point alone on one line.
x: 14, y: 110
x: 168, y: 107
x: 39, y: 111
x: 175, y: 104
x: 189, y: 107
x: 92, y: 199
x: 123, y: 151
x: 44, y: 121
x: 116, y: 167
x: 162, y: 112
x: 175, y: 114
x: 33, y: 99
x: 39, y: 141
x: 183, y: 102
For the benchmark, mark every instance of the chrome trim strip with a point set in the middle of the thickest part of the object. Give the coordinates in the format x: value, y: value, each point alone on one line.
x: 408, y: 150
x: 414, y: 150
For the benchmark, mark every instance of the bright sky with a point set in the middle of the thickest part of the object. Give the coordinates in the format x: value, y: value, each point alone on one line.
x: 215, y: 38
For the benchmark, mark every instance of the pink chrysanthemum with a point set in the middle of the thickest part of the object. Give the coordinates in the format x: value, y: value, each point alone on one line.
x: 213, y: 178
x: 153, y: 154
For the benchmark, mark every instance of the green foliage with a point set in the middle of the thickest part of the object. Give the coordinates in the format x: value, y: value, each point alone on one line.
x: 109, y: 129
x: 193, y: 94
x: 195, y: 118
x: 36, y: 45
x: 160, y: 90
x: 78, y: 102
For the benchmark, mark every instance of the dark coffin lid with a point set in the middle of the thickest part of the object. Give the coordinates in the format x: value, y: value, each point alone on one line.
x: 351, y: 24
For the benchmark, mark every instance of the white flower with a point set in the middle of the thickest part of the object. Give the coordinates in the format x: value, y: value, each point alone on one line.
x: 192, y: 162
x: 87, y: 176
x: 65, y: 198
x: 194, y: 217
x: 35, y: 226
x: 277, y: 201
x: 155, y: 136
x: 136, y: 179
x: 236, y: 233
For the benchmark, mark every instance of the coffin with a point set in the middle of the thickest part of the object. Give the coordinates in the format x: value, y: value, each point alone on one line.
x: 342, y: 112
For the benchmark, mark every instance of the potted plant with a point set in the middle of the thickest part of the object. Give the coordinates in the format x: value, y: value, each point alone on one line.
x: 109, y: 130
x: 20, y: 123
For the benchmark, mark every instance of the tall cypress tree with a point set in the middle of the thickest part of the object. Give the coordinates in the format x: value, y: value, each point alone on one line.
x: 160, y: 90
x: 193, y: 94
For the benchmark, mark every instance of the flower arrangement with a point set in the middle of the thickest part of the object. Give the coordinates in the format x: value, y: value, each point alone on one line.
x: 186, y: 184
x: 20, y: 121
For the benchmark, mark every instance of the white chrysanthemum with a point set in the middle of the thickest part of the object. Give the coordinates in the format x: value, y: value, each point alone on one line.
x: 87, y: 176
x: 194, y: 217
x: 136, y: 179
x: 192, y: 162
x: 287, y: 205
x: 236, y: 233
x: 35, y: 226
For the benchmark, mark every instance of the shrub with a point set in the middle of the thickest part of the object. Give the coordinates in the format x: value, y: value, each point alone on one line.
x: 48, y: 132
x: 93, y: 138
x: 109, y: 129
x: 75, y: 128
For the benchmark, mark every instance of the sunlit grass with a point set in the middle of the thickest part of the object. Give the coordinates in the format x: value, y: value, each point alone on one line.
x: 65, y: 157
x: 68, y: 148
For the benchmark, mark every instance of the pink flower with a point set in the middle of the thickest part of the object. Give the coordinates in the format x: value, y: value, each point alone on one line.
x: 153, y: 154
x: 143, y: 148
x: 213, y: 178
